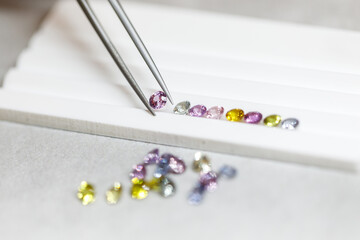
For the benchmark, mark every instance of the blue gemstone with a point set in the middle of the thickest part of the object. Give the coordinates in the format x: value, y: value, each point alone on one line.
x: 227, y: 171
x: 197, y: 194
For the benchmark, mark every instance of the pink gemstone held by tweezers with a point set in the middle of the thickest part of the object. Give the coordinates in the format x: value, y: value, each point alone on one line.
x: 158, y: 100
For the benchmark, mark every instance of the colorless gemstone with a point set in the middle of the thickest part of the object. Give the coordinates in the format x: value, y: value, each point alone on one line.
x: 167, y: 187
x: 290, y: 123
x: 182, y: 108
x: 227, y: 171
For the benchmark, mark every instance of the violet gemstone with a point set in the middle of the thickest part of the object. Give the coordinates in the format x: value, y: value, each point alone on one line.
x: 197, y: 111
x: 197, y: 194
x: 152, y: 157
x: 176, y: 165
x: 139, y: 172
x: 253, y: 117
x: 158, y: 100
x: 163, y: 166
x: 209, y: 180
x: 215, y: 112
x: 227, y: 172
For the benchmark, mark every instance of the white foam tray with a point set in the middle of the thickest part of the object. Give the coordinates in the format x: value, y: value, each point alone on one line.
x: 65, y: 79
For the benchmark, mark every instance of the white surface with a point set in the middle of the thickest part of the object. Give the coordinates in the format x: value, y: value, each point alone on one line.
x: 66, y: 78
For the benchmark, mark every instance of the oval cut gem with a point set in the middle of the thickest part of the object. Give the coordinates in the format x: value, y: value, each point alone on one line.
x: 235, y: 115
x: 272, y: 120
x: 215, y: 112
x: 158, y: 100
x: 182, y: 108
x: 197, y: 111
x: 253, y: 117
x: 290, y: 123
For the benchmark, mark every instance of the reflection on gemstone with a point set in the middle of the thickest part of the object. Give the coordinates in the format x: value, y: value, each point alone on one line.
x: 272, y: 120
x: 86, y: 193
x: 167, y: 187
x: 209, y: 180
x: 290, y: 123
x: 182, y: 108
x: 235, y: 115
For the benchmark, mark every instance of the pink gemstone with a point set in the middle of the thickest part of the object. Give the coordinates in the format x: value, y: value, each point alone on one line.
x: 152, y: 157
x: 176, y: 165
x: 138, y: 172
x: 253, y: 117
x: 215, y: 112
x: 209, y: 180
x: 197, y: 111
x: 158, y: 100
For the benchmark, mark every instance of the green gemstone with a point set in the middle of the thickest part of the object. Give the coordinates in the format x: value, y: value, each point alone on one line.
x: 272, y: 120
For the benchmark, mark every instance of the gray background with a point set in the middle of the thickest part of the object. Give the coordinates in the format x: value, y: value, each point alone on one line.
x: 41, y: 168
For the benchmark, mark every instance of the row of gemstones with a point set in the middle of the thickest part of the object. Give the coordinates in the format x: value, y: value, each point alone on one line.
x: 165, y: 164
x: 158, y: 100
x: 234, y: 115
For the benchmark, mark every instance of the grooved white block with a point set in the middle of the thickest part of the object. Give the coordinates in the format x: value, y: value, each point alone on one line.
x: 65, y: 79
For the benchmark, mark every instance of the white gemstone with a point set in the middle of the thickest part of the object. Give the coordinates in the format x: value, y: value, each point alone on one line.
x: 182, y: 108
x: 290, y: 123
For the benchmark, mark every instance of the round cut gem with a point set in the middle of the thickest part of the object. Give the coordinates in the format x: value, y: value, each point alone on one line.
x: 215, y: 112
x: 227, y: 171
x: 209, y: 180
x: 290, y: 123
x: 182, y: 108
x: 235, y: 115
x: 197, y: 111
x: 272, y: 120
x: 152, y: 157
x: 138, y: 174
x: 114, y: 194
x: 253, y: 117
x: 201, y: 163
x: 158, y: 100
x: 86, y: 193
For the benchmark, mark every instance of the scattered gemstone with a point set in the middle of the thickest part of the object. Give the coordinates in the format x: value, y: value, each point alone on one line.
x: 209, y: 180
x: 152, y: 157
x: 197, y: 194
x: 154, y: 184
x: 182, y: 108
x: 138, y: 174
x: 197, y: 111
x: 176, y: 165
x: 272, y: 120
x: 215, y: 112
x: 139, y: 191
x: 167, y: 187
x: 86, y: 193
x: 201, y: 163
x: 253, y: 117
x: 113, y: 195
x: 158, y: 100
x: 163, y: 166
x: 235, y: 115
x: 227, y: 171
x: 290, y: 123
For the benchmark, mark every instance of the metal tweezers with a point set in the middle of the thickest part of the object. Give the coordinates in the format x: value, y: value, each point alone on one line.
x: 116, y: 56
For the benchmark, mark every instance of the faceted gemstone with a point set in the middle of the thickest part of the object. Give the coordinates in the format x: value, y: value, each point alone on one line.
x: 158, y: 100
x: 138, y: 174
x: 290, y: 123
x: 227, y: 172
x: 209, y: 180
x: 272, y: 120
x: 113, y: 195
x: 152, y: 157
x: 176, y: 165
x: 86, y: 193
x: 167, y: 187
x: 139, y: 191
x: 253, y: 117
x: 197, y: 194
x: 235, y: 115
x: 215, y: 112
x: 163, y: 166
x: 154, y: 184
x: 182, y: 108
x: 197, y: 111
x: 201, y: 163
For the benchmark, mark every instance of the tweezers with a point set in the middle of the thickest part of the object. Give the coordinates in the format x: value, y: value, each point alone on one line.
x: 85, y: 6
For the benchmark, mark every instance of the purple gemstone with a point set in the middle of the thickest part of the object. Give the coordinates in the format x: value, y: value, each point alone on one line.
x: 176, y: 165
x: 152, y: 157
x: 253, y: 117
x: 209, y: 180
x: 139, y: 172
x: 158, y: 100
x: 163, y: 166
x: 227, y: 171
x: 197, y: 194
x: 197, y: 111
x: 215, y: 112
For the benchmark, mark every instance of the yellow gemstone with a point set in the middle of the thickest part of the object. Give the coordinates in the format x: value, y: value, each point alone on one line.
x: 114, y: 194
x: 154, y: 184
x: 272, y: 120
x: 201, y: 163
x: 137, y: 181
x: 139, y: 191
x: 86, y: 193
x: 235, y: 115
